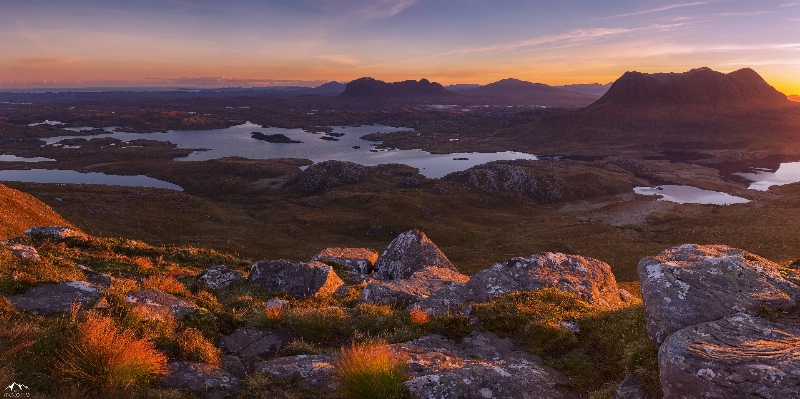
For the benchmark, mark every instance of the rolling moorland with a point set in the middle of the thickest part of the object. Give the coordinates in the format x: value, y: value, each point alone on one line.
x: 696, y: 128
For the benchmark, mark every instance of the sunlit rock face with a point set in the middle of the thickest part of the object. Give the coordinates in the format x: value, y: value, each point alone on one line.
x: 691, y: 284
x: 297, y: 279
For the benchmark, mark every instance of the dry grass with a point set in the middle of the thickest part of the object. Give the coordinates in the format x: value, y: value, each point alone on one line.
x: 419, y: 316
x: 194, y: 346
x: 20, y: 211
x: 371, y: 371
x: 164, y: 283
x: 99, y: 357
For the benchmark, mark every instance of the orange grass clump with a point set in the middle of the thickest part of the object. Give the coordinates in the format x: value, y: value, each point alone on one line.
x: 99, y: 357
x: 371, y: 371
x: 419, y: 316
x: 164, y: 283
x: 194, y: 346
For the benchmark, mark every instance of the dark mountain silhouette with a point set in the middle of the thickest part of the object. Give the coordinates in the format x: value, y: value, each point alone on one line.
x: 589, y: 88
x: 328, y: 89
x: 369, y: 87
x: 531, y: 93
x: 698, y: 87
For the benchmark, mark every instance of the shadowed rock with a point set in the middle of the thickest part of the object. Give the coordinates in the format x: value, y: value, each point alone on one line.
x: 199, y: 377
x: 314, y: 371
x: 251, y: 342
x: 630, y: 388
x: 740, y: 356
x: 155, y: 304
x: 96, y: 278
x: 359, y: 262
x: 691, y: 284
x: 410, y: 252
x: 56, y: 298
x: 419, y: 286
x: 218, y: 277
x: 298, y: 279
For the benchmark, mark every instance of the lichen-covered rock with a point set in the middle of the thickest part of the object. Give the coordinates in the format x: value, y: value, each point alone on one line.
x: 298, y: 279
x: 691, y: 284
x: 419, y: 286
x: 630, y: 388
x: 252, y: 342
x: 154, y: 304
x: 483, y: 366
x: 326, y: 175
x: 56, y: 298
x: 219, y: 277
x: 60, y: 232
x: 360, y: 262
x: 96, y: 278
x: 199, y: 377
x: 410, y: 252
x: 315, y: 371
x: 588, y: 278
x: 739, y: 356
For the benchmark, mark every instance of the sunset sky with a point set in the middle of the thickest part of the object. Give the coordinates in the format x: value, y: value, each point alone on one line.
x: 81, y: 43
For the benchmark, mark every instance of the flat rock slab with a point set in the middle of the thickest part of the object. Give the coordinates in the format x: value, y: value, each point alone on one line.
x: 60, y: 232
x: 56, y: 298
x: 483, y: 366
x: 588, y: 278
x: 199, y: 377
x: 219, y: 277
x: 739, y: 356
x: 358, y: 261
x: 315, y: 371
x: 418, y: 287
x: 298, y: 279
x: 410, y: 252
x: 691, y: 284
x: 252, y: 342
x: 159, y: 305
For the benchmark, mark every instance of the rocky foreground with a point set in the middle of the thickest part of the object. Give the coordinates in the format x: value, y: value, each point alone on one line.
x: 724, y: 319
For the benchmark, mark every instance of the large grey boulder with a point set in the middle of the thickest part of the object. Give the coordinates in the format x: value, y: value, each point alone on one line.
x: 199, y: 378
x: 359, y: 262
x: 56, y: 298
x: 298, y: 279
x: 408, y: 253
x: 588, y: 278
x: 691, y: 284
x: 59, y: 232
x: 740, y: 356
x: 483, y: 366
x: 158, y: 305
x: 419, y: 286
x: 314, y: 371
x: 219, y: 277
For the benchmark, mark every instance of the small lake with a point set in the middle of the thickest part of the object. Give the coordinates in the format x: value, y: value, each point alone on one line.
x: 763, y: 178
x: 343, y: 144
x: 14, y: 158
x: 690, y: 195
x: 73, y: 177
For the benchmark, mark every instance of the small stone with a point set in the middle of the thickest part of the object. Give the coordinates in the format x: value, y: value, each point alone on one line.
x: 630, y: 388
x: 24, y: 252
x: 199, y: 377
x: 219, y: 277
x: 102, y: 304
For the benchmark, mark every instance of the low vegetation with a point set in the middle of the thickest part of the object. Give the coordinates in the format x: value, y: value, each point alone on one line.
x: 371, y: 371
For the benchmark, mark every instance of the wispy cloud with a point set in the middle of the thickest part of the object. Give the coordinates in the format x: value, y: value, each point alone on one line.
x: 792, y: 4
x: 384, y: 8
x: 659, y: 9
x: 744, y: 14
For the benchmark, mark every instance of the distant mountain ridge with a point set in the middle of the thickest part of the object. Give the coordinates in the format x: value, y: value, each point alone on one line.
x: 530, y: 93
x: 697, y: 87
x: 369, y: 87
x: 587, y: 88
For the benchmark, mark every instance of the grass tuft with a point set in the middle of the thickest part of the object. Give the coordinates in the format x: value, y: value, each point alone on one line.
x: 101, y: 357
x: 194, y: 346
x: 419, y: 316
x: 371, y: 371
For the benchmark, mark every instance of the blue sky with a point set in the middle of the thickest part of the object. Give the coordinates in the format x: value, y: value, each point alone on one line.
x: 89, y: 42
